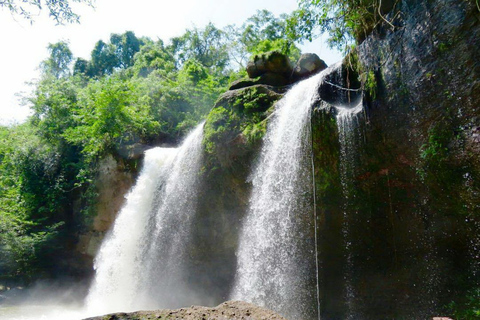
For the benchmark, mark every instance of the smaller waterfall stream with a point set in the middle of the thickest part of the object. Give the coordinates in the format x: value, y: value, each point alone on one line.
x: 277, y: 233
x: 348, y: 126
x: 140, y: 264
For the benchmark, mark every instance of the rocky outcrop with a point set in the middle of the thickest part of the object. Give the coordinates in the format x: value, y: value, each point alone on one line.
x: 232, y: 136
x: 232, y: 310
x: 114, y: 178
x: 275, y: 69
x: 271, y: 62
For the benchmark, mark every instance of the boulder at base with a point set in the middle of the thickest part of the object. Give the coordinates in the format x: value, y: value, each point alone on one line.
x: 234, y: 310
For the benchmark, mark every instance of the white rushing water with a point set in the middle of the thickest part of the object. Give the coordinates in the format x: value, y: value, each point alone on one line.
x: 348, y: 136
x: 139, y: 265
x: 273, y: 270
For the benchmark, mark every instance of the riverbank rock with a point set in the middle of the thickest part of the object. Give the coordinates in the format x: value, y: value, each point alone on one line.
x: 231, y: 310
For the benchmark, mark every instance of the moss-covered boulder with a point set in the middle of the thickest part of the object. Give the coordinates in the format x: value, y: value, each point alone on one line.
x: 270, y: 62
x: 237, y: 122
x: 232, y: 137
x: 269, y: 79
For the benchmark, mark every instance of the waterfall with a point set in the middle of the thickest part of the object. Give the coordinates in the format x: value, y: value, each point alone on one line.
x: 140, y: 264
x: 276, y: 258
x: 348, y: 135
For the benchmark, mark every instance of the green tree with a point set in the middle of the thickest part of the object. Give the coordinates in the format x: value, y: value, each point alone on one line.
x: 58, y: 64
x: 207, y: 46
x: 154, y: 57
x: 59, y: 10
x: 81, y: 66
x: 33, y: 188
x: 106, y: 58
x: 103, y: 60
x: 261, y: 33
x: 346, y: 21
x: 53, y: 104
x: 126, y: 45
x: 110, y: 113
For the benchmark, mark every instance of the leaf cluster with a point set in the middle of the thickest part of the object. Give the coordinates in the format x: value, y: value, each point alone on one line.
x: 59, y: 10
x: 345, y: 21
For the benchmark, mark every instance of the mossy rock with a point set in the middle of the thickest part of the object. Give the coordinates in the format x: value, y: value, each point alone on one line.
x: 272, y: 62
x: 269, y: 79
x: 236, y: 124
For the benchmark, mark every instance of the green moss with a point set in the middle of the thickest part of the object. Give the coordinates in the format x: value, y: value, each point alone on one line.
x: 326, y: 151
x: 468, y: 307
x: 441, y: 171
x: 359, y: 75
x: 243, y: 113
x: 255, y: 132
x: 370, y: 84
x: 218, y: 127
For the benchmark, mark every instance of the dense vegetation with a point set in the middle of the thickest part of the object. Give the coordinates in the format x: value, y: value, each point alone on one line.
x: 132, y: 90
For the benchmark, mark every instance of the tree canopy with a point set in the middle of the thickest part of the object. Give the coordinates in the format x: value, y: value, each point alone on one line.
x: 59, y: 10
x: 345, y: 21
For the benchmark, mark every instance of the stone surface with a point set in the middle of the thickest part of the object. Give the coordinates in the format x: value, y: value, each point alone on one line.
x: 114, y: 180
x: 273, y: 62
x: 268, y: 78
x: 308, y: 65
x: 231, y: 310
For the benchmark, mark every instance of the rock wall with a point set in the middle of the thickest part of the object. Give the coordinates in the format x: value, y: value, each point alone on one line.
x: 115, y: 177
x: 404, y: 243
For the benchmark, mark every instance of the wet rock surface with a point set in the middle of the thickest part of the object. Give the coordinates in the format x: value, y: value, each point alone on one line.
x: 403, y: 243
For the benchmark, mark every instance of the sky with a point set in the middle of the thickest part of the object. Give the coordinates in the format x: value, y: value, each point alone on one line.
x: 25, y: 43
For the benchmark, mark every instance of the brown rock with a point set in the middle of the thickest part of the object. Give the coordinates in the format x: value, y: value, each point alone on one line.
x: 233, y: 310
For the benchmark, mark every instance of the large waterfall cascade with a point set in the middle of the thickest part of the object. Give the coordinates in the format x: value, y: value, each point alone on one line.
x: 142, y: 261
x: 277, y: 234
x: 140, y: 264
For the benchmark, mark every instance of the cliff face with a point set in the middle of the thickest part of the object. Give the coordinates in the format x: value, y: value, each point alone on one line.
x: 399, y: 213
x: 115, y: 177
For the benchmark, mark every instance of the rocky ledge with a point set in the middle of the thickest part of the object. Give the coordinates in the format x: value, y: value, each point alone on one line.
x: 231, y: 310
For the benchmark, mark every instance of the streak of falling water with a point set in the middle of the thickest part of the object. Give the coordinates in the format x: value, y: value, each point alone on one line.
x: 348, y: 135
x: 277, y: 233
x: 140, y: 264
